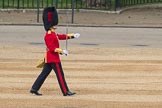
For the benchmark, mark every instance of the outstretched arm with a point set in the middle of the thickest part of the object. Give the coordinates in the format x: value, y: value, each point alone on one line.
x: 73, y: 35
x: 68, y: 36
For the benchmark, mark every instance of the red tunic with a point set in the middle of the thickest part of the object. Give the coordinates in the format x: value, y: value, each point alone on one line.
x: 52, y: 42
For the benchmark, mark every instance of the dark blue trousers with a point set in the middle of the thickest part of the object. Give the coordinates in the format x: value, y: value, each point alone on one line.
x: 57, y: 67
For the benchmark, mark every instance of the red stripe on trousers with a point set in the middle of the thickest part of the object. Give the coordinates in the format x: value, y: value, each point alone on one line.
x: 60, y: 77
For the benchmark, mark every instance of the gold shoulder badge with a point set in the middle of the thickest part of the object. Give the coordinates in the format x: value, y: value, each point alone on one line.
x: 49, y: 31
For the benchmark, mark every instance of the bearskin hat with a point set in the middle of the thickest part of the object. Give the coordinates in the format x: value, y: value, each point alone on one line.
x: 50, y: 17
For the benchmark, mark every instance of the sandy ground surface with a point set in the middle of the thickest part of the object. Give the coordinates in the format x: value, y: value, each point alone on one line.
x: 106, y: 67
x: 114, y: 71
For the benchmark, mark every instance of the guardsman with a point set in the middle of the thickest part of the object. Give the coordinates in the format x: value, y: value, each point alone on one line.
x: 52, y: 59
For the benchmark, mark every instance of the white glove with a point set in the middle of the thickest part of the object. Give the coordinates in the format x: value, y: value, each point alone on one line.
x: 65, y: 52
x: 76, y: 35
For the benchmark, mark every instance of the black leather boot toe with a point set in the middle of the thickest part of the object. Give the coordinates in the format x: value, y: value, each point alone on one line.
x: 35, y: 93
x: 69, y: 93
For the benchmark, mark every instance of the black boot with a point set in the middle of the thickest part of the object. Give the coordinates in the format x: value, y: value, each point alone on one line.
x: 69, y: 93
x: 35, y: 92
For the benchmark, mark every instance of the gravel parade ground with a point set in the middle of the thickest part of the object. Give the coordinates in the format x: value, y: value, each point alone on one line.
x: 107, y: 67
